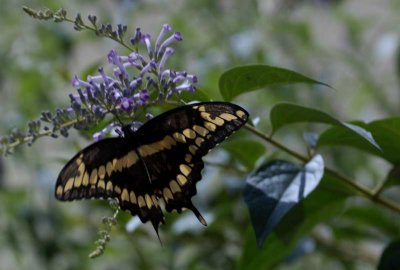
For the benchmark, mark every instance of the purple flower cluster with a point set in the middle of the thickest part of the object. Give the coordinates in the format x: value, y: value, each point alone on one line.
x: 136, y: 78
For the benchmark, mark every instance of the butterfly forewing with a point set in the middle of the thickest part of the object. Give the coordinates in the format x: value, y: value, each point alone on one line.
x: 162, y: 160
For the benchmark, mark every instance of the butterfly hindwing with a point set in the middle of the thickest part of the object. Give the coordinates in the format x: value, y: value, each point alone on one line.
x: 173, y: 178
x: 83, y: 176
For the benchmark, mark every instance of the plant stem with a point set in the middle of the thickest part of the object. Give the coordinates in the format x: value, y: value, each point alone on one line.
x: 41, y: 134
x: 347, y: 180
x: 87, y: 27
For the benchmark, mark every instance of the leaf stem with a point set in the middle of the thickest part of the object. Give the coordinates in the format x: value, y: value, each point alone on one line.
x: 347, y: 180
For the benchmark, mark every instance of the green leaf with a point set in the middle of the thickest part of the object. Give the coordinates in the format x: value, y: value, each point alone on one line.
x: 287, y: 113
x: 326, y: 202
x: 275, y: 188
x: 343, y: 136
x: 386, y: 133
x: 245, y: 79
x: 390, y: 259
x: 245, y: 151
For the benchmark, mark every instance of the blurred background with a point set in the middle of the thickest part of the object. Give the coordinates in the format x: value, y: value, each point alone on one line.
x: 350, y: 44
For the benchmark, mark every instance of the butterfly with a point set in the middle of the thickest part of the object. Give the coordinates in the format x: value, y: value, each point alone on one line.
x: 161, y: 161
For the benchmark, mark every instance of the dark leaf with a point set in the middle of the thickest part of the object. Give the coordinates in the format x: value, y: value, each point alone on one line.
x: 275, y: 188
x: 390, y: 259
x: 327, y: 201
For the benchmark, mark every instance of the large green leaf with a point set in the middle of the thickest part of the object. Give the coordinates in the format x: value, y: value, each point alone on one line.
x: 244, y: 79
x: 343, y: 136
x: 287, y: 113
x: 386, y: 133
x: 324, y: 203
x: 275, y: 188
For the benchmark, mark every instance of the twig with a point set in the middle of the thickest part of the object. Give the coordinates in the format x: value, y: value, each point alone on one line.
x: 347, y: 180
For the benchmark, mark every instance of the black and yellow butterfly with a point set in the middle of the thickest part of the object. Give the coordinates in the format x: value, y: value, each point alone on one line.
x: 162, y: 160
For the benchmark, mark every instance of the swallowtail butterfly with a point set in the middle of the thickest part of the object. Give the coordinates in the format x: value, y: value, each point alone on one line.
x: 162, y: 160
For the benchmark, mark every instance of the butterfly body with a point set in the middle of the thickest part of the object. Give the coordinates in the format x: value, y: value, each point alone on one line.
x: 162, y: 160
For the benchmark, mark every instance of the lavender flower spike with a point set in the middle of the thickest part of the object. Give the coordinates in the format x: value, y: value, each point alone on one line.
x: 143, y: 97
x: 76, y: 82
x: 179, y: 78
x: 126, y: 104
x: 114, y: 58
x: 151, y: 65
x: 173, y: 38
x: 102, y: 134
x: 103, y: 74
x: 137, y: 37
x: 169, y: 51
x: 166, y: 28
x: 135, y: 83
x: 146, y: 40
x: 186, y: 86
x: 192, y: 77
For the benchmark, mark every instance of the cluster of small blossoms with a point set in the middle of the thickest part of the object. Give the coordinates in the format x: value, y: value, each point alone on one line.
x: 137, y: 79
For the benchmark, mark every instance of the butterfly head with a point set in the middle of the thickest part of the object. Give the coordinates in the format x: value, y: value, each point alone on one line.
x: 128, y: 131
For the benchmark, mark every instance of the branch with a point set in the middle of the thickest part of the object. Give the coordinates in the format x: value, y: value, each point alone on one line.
x: 100, y: 30
x: 347, y: 180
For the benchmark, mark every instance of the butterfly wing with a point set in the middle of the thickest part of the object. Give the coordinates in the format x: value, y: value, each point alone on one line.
x: 172, y: 146
x: 163, y: 159
x: 110, y: 168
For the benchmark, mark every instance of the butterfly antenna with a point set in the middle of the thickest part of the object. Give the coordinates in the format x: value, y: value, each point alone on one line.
x: 121, y: 133
x: 119, y: 120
